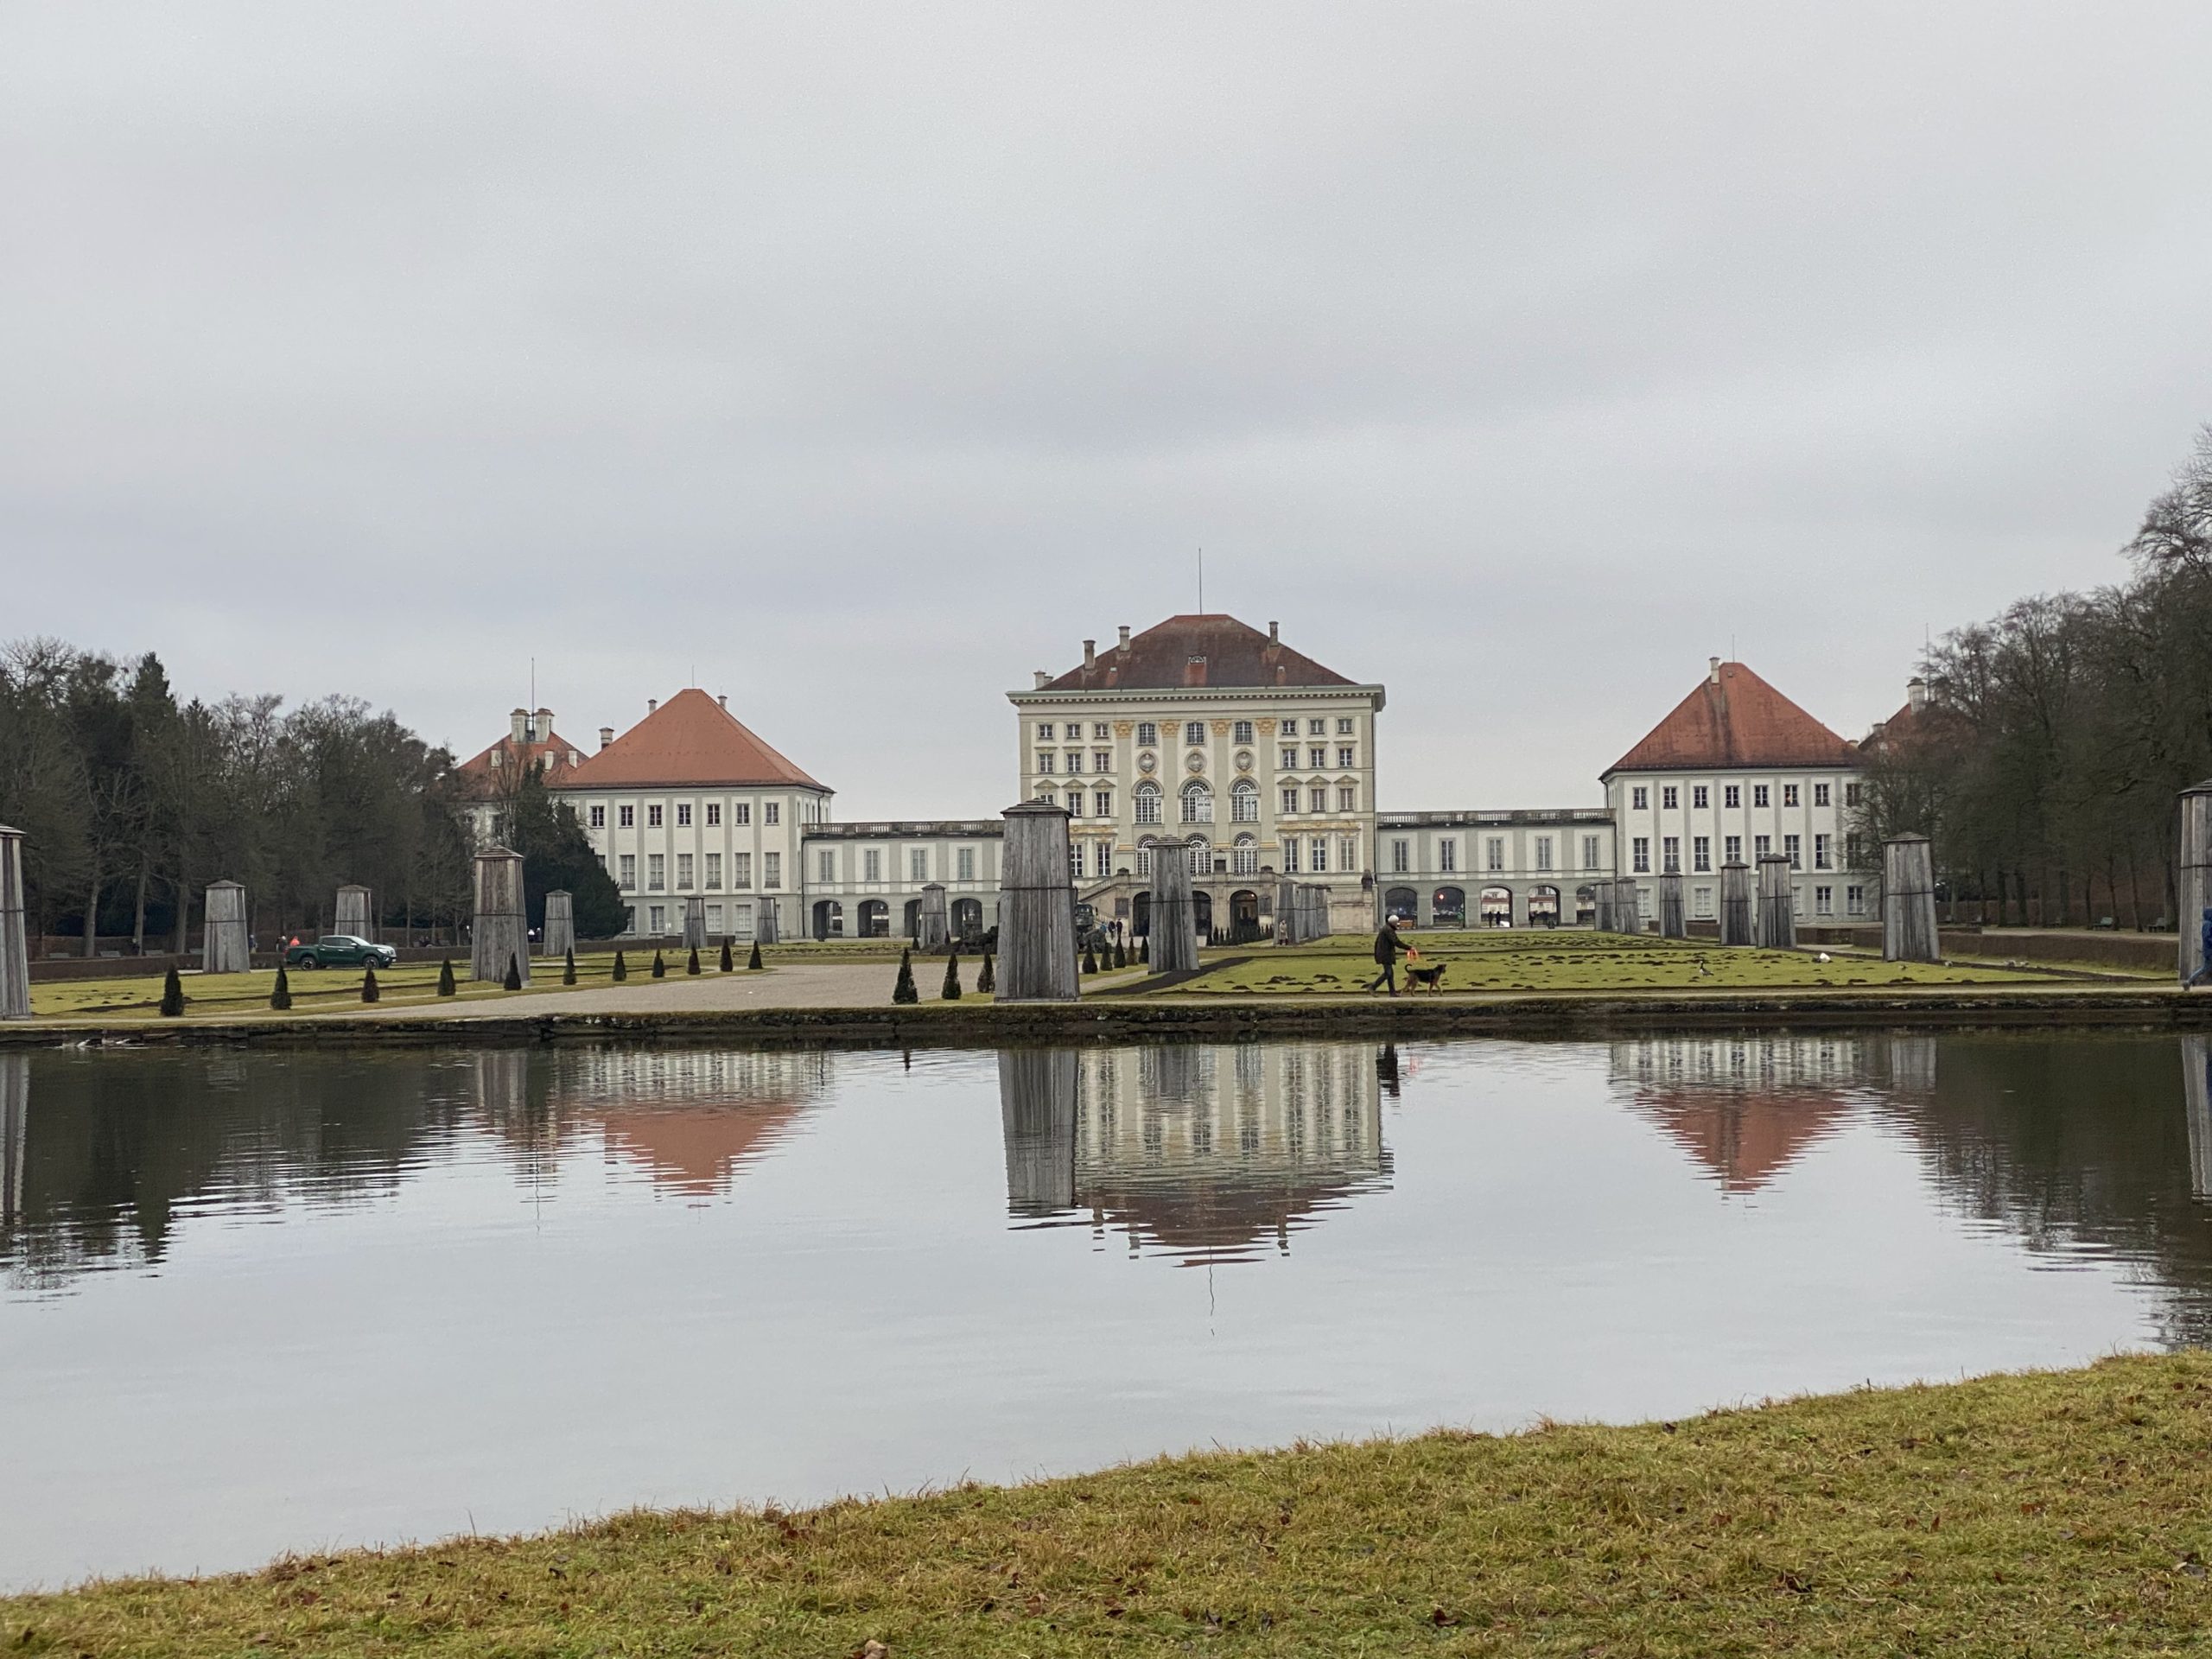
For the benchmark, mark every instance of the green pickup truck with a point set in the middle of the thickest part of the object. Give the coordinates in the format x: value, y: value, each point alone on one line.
x: 340, y: 950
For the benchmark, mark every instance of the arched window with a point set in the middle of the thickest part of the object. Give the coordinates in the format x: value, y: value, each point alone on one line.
x: 1201, y: 856
x: 1244, y: 803
x: 1144, y: 856
x: 1148, y: 802
x: 1197, y: 802
x: 1245, y: 858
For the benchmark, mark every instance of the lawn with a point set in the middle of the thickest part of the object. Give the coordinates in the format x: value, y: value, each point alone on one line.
x: 1495, y: 960
x: 2059, y: 1513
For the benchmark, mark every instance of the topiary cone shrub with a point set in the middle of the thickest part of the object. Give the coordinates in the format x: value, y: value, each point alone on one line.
x: 903, y: 990
x: 1121, y: 954
x: 726, y: 961
x: 1090, y: 960
x: 172, y: 993
x: 753, y: 962
x: 446, y: 987
x: 369, y: 993
x: 621, y: 968
x: 660, y: 968
x: 986, y: 978
x: 951, y: 992
x: 568, y: 968
x: 691, y: 967
x: 513, y: 980
x: 1144, y: 950
x: 281, y: 998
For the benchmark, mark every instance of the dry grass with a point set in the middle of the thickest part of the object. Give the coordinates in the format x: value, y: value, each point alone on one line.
x: 2060, y: 1513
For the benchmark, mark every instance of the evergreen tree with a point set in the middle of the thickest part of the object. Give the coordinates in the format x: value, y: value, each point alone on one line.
x: 281, y: 998
x: 172, y: 993
x: 904, y: 990
x: 1144, y: 950
x: 727, y: 963
x: 951, y: 992
x: 446, y: 987
x: 568, y: 968
x: 1090, y: 960
x: 556, y: 856
x: 691, y: 967
x: 621, y: 968
x: 660, y: 968
x: 986, y: 978
x: 1121, y: 953
x: 369, y: 991
x: 513, y: 980
x: 753, y: 962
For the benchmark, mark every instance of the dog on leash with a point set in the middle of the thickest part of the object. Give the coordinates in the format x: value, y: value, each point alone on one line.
x: 1429, y: 978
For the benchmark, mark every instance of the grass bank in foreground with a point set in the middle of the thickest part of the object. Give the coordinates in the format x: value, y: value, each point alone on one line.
x: 2046, y: 1514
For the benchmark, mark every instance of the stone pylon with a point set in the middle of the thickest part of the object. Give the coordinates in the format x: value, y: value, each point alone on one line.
x: 1174, y: 923
x: 501, y: 933
x: 353, y: 914
x: 695, y: 922
x: 560, y: 923
x: 1909, y: 930
x: 1604, y: 891
x: 224, y: 946
x: 14, y: 942
x: 1777, y: 911
x: 2195, y: 884
x: 932, y: 927
x: 1738, y: 913
x: 768, y: 922
x: 1036, y: 1089
x: 1037, y: 951
x: 2196, y: 1101
x: 1673, y: 922
x: 1627, y: 917
x: 15, y: 1130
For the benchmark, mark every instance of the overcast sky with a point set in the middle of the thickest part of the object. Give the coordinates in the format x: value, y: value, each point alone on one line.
x: 856, y: 361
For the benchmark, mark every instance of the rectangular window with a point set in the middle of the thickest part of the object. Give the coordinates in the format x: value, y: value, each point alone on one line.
x: 1345, y: 756
x: 1851, y: 851
x: 1643, y: 865
x: 1318, y: 800
x: 1732, y: 795
x: 659, y: 914
x: 1448, y: 854
x: 1789, y: 850
x: 1639, y: 799
x: 713, y: 869
x: 1762, y: 845
x: 1316, y: 727
x: 1102, y: 760
x: 1700, y: 797
x: 656, y: 873
x: 827, y: 865
x: 683, y: 872
x: 872, y: 864
x: 1823, y: 901
x: 713, y: 918
x: 1194, y: 733
x: 966, y: 863
x: 1043, y: 760
x: 1075, y: 803
x: 714, y: 815
x: 917, y: 863
x: 1668, y: 799
x: 1075, y: 761
x: 653, y: 815
x: 684, y: 814
x: 1543, y: 852
x: 1701, y: 852
x: 1401, y: 856
x: 1102, y: 804
x: 740, y: 869
x: 599, y: 817
x: 1590, y: 852
x: 1670, y: 855
x: 1758, y: 794
x: 741, y: 812
x: 1851, y: 794
x: 772, y: 812
x: 1701, y: 903
x: 1732, y: 848
x: 1789, y: 794
x: 1101, y: 859
x: 1044, y: 731
x: 1821, y: 851
x: 1493, y: 852
x: 1344, y: 727
x: 1100, y: 731
x: 772, y: 870
x: 1147, y: 735
x: 1317, y: 758
x: 629, y: 872
x: 1347, y: 853
x: 1290, y: 855
x: 627, y: 817
x: 1820, y: 794
x: 1288, y: 759
x: 1242, y: 732
x: 1854, y: 900
x: 1347, y: 798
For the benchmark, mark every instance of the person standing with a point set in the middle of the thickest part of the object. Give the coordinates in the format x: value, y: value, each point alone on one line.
x: 1388, y: 944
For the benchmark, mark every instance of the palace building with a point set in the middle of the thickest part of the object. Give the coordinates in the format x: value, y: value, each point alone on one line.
x: 1255, y: 761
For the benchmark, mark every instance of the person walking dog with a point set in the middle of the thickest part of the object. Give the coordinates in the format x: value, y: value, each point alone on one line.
x: 1388, y: 944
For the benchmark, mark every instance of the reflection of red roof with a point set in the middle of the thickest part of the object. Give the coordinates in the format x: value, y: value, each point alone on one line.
x: 1735, y: 719
x: 690, y: 739
x: 698, y: 1149
x: 1746, y: 1139
x: 1193, y: 651
x: 480, y: 778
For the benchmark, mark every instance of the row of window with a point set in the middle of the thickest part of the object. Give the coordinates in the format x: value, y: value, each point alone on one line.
x: 741, y: 812
x: 1102, y: 760
x: 1447, y: 854
x: 1670, y: 852
x: 1196, y: 803
x: 1854, y: 899
x: 1194, y: 731
x: 1318, y: 854
x: 1732, y: 795
x: 740, y: 871
x: 872, y: 864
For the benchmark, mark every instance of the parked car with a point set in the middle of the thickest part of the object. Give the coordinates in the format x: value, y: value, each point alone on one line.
x: 340, y: 950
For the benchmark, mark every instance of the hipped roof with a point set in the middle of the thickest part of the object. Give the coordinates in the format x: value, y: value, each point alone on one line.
x: 1197, y: 650
x: 690, y: 741
x: 1735, y: 719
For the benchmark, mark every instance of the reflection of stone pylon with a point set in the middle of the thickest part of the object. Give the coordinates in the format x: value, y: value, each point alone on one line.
x: 15, y: 1125
x: 1037, y: 1109
x: 2196, y: 1101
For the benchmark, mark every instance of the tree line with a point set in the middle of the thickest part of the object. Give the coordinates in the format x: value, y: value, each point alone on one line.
x: 132, y: 802
x: 2056, y: 736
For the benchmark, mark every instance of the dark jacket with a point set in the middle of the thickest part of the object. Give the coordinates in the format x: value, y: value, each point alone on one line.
x: 1388, y: 944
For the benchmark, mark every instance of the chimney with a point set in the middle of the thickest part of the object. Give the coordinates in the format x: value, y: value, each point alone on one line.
x: 651, y: 703
x: 605, y: 735
x: 721, y: 701
x: 519, y: 725
x: 1915, y: 694
x: 1043, y: 679
x: 1125, y: 636
x: 1089, y: 655
x: 1274, y: 633
x: 1712, y: 673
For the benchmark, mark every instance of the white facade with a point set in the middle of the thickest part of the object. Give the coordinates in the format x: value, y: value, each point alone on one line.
x: 1523, y: 868
x: 864, y: 881
x: 735, y: 849
x: 1696, y: 821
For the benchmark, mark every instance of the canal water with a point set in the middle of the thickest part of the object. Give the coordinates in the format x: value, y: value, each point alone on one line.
x: 260, y: 1302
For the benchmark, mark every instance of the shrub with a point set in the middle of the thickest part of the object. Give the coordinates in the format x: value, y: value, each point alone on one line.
x: 903, y: 990
x: 172, y: 993
x: 370, y: 992
x: 691, y: 967
x: 951, y: 992
x: 446, y: 987
x: 726, y: 961
x: 1144, y: 950
x: 513, y: 980
x: 753, y: 962
x: 281, y: 998
x: 568, y: 968
x: 1090, y: 960
x: 660, y: 968
x: 986, y: 979
x: 621, y: 968
x: 1121, y: 954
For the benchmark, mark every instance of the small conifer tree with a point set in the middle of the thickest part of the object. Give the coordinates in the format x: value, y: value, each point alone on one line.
x: 513, y: 980
x: 369, y: 990
x: 753, y: 962
x: 172, y: 993
x: 903, y: 990
x: 660, y: 968
x: 568, y: 968
x: 1121, y: 953
x: 986, y: 979
x: 691, y: 967
x: 951, y: 992
x: 726, y: 961
x: 621, y: 968
x: 1144, y: 950
x: 1090, y: 960
x: 446, y: 987
x: 281, y: 998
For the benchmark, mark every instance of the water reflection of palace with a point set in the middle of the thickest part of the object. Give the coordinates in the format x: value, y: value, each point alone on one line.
x: 1202, y: 1152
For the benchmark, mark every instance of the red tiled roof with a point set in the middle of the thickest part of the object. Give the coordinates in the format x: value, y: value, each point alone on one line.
x: 1735, y: 719
x: 690, y: 739
x: 1195, y: 650
x: 480, y: 778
